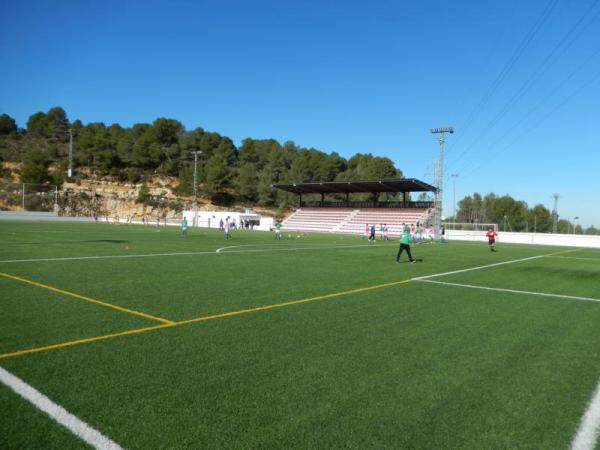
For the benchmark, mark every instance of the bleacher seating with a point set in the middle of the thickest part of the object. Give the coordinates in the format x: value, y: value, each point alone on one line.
x: 393, y: 218
x: 316, y: 219
x: 352, y: 221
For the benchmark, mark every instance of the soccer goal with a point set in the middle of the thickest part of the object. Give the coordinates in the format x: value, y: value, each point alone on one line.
x: 468, y: 231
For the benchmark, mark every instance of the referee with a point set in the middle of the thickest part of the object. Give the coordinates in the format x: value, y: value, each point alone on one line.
x: 405, y: 241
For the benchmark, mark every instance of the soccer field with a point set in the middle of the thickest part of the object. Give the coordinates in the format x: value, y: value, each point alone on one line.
x: 159, y: 341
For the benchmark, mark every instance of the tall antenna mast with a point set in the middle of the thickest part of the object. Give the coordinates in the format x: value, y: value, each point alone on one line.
x: 439, y: 178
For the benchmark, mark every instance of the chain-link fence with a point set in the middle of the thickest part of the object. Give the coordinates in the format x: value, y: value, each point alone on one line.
x: 28, y: 197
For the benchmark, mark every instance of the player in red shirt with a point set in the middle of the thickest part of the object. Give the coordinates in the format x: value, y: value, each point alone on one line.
x: 491, y: 235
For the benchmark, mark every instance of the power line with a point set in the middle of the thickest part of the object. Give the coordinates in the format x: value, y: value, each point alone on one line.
x: 550, y: 58
x: 545, y: 99
x: 507, y: 68
x: 542, y: 120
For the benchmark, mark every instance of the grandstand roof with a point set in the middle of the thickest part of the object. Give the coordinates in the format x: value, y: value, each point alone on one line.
x: 347, y: 187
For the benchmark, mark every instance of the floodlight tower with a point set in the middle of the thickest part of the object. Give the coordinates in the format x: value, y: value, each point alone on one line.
x: 439, y: 178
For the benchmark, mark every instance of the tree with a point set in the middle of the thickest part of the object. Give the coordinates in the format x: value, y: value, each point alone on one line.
x: 35, y: 169
x: 7, y: 124
x: 218, y: 170
x: 247, y: 183
x: 540, y: 219
x: 37, y: 124
x: 185, y: 180
x: 58, y: 124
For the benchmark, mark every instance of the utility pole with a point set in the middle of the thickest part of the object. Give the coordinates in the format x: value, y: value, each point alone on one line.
x: 439, y: 178
x: 555, y: 214
x: 70, y: 170
x: 454, y: 176
x: 195, y: 188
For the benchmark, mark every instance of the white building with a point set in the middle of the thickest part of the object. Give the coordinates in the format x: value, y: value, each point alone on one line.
x: 212, y: 219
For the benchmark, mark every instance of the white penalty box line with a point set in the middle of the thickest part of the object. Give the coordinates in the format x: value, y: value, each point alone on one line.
x: 428, y: 279
x: 512, y: 291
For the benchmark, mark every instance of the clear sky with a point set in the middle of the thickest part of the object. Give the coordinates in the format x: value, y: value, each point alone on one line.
x: 519, y: 80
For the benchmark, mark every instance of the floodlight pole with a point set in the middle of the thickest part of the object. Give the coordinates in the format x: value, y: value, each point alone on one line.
x: 70, y: 170
x: 454, y: 176
x: 555, y: 214
x: 439, y: 178
x: 195, y: 189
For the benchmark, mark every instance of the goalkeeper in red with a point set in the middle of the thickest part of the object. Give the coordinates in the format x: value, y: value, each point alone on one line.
x: 405, y: 241
x: 491, y: 235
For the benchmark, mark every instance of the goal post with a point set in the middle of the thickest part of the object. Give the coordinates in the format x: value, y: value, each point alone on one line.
x: 468, y: 231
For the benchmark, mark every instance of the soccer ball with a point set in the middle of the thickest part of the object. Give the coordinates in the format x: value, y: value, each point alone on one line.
x: 298, y: 236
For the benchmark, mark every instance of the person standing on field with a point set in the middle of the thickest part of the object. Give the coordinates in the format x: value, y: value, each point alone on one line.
x: 405, y: 241
x: 184, y: 226
x: 226, y: 226
x: 372, y: 235
x: 278, y: 231
x: 491, y: 235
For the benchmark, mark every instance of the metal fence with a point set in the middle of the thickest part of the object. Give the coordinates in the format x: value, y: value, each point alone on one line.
x: 28, y: 197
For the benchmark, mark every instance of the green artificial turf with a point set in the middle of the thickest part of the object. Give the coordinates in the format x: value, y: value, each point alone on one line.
x: 413, y: 365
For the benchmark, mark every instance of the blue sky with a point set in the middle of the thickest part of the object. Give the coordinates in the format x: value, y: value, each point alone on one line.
x: 519, y: 81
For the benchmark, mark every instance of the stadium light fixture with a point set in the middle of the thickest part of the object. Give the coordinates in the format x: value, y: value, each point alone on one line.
x: 443, y: 130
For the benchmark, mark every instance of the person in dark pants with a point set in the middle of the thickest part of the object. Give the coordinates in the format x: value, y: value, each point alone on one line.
x: 372, y: 234
x: 405, y: 241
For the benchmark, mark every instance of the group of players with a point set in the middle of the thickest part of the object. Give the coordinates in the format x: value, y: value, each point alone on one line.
x: 408, y: 236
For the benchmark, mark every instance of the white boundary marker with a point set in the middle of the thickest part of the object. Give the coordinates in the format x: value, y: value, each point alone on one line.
x: 510, y: 291
x: 589, y: 428
x: 76, y: 426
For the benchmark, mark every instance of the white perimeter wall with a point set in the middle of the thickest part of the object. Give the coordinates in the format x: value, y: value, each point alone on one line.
x: 211, y: 219
x: 566, y: 240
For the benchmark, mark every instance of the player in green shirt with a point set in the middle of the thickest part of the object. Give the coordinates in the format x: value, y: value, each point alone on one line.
x: 278, y: 231
x: 405, y: 241
x: 184, y: 226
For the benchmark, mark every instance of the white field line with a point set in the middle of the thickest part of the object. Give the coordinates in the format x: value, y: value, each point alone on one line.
x: 211, y: 252
x: 589, y: 428
x: 576, y: 257
x: 83, y: 258
x: 512, y: 261
x: 511, y: 291
x: 76, y: 426
x: 219, y: 250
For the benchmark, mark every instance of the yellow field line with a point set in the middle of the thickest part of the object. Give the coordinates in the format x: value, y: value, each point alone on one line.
x: 84, y: 341
x: 200, y: 319
x: 291, y: 302
x: 83, y: 297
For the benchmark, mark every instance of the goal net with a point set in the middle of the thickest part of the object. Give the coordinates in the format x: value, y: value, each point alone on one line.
x: 468, y: 231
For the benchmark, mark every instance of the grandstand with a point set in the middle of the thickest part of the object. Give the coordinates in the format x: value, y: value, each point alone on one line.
x: 350, y: 217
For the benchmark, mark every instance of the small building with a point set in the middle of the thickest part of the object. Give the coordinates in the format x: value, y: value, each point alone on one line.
x: 212, y: 219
